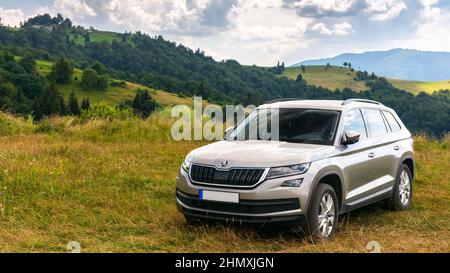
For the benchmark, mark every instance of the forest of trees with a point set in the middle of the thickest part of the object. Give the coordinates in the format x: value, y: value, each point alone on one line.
x: 165, y: 65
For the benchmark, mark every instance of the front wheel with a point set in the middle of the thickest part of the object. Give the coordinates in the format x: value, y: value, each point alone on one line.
x: 322, y: 216
x: 402, y: 193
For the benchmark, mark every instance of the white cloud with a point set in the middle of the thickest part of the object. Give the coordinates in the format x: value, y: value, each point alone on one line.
x: 318, y: 8
x: 432, y: 31
x: 379, y: 10
x: 11, y: 17
x: 245, y: 5
x: 322, y: 29
x: 343, y: 29
x: 183, y: 17
x: 429, y: 11
x: 336, y: 29
x: 258, y: 32
x: 264, y: 32
x: 385, y: 9
x: 73, y: 9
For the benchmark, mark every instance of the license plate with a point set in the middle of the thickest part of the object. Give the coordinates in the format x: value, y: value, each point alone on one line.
x: 219, y: 196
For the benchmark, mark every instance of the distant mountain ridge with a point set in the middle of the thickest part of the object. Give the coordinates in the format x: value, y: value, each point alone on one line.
x: 405, y: 64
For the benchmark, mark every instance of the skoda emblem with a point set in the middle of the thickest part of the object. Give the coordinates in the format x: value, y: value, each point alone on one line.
x: 224, y: 163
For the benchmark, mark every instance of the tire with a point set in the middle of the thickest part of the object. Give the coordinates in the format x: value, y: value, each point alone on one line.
x: 319, y: 223
x: 402, y: 193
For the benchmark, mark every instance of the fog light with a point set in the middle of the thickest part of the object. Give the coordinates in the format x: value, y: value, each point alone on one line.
x: 292, y: 183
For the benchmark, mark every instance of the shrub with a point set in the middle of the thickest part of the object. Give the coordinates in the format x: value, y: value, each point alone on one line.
x: 122, y: 84
x: 50, y: 125
x: 89, y: 79
x: 103, y: 82
x: 103, y: 110
x: 11, y: 125
x: 62, y: 70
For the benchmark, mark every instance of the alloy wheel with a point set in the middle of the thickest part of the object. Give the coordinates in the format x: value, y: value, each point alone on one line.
x: 404, y: 188
x: 326, y: 215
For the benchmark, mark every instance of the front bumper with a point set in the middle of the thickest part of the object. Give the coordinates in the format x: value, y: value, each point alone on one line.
x: 267, y: 203
x: 233, y: 213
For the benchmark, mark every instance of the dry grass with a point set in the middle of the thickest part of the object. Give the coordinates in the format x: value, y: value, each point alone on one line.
x: 110, y: 186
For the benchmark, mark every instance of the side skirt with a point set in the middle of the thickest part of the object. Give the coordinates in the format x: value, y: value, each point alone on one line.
x: 367, y: 200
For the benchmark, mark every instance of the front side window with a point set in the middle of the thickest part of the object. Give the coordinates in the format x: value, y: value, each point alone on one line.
x: 354, y: 122
x: 296, y: 125
x: 375, y: 122
x: 393, y: 123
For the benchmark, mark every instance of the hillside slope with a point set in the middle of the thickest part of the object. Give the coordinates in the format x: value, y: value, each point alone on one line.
x: 114, y: 94
x: 333, y: 78
x: 405, y: 64
x: 338, y: 77
x: 416, y: 87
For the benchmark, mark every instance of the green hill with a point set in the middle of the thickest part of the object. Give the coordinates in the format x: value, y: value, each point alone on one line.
x: 332, y: 78
x: 94, y: 36
x: 114, y: 94
x: 416, y: 87
x: 336, y: 77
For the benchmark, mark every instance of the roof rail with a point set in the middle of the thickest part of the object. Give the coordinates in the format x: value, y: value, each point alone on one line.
x: 361, y: 100
x: 281, y: 100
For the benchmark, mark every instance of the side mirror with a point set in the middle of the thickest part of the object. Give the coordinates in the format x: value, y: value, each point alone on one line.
x: 350, y: 137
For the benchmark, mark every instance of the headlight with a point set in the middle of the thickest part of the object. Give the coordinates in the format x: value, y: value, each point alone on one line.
x: 288, y: 170
x: 186, y: 164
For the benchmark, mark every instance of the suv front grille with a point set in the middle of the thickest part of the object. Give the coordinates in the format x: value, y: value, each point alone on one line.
x: 228, y: 178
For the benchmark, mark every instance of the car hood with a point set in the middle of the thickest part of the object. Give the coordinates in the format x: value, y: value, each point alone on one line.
x: 257, y: 153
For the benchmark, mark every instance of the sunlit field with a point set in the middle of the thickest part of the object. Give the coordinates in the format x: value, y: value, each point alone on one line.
x: 110, y: 185
x: 336, y: 77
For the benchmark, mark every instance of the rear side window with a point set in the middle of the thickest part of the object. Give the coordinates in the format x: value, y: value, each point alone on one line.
x: 354, y: 122
x: 393, y: 123
x: 375, y: 122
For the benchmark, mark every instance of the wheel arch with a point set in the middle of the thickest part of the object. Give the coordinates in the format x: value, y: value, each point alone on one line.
x: 408, y: 160
x: 410, y: 163
x: 334, y: 178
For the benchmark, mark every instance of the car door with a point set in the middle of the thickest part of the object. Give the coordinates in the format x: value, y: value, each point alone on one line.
x: 395, y: 147
x: 380, y: 156
x: 354, y: 162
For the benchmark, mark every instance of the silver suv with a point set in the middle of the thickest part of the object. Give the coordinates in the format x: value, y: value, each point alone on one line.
x: 331, y: 157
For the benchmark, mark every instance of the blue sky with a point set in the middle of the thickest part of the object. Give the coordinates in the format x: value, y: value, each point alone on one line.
x: 261, y: 31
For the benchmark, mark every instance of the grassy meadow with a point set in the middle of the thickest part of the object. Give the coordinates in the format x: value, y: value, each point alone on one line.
x: 109, y: 185
x: 332, y: 78
x: 95, y: 36
x: 416, y: 87
x: 336, y: 77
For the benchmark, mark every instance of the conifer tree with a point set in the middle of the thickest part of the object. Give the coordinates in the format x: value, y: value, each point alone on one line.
x: 74, y: 108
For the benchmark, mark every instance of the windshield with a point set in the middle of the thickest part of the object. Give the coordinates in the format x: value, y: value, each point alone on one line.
x: 296, y: 125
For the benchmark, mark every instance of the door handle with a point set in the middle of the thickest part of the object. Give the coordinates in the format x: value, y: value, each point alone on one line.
x: 397, y: 148
x: 371, y: 155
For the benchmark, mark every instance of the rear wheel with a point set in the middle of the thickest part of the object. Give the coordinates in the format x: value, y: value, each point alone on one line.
x: 322, y: 215
x: 402, y: 194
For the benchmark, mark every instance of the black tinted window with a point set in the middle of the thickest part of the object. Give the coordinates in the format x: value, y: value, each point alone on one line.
x: 296, y: 125
x: 354, y: 122
x: 393, y: 123
x: 375, y: 122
